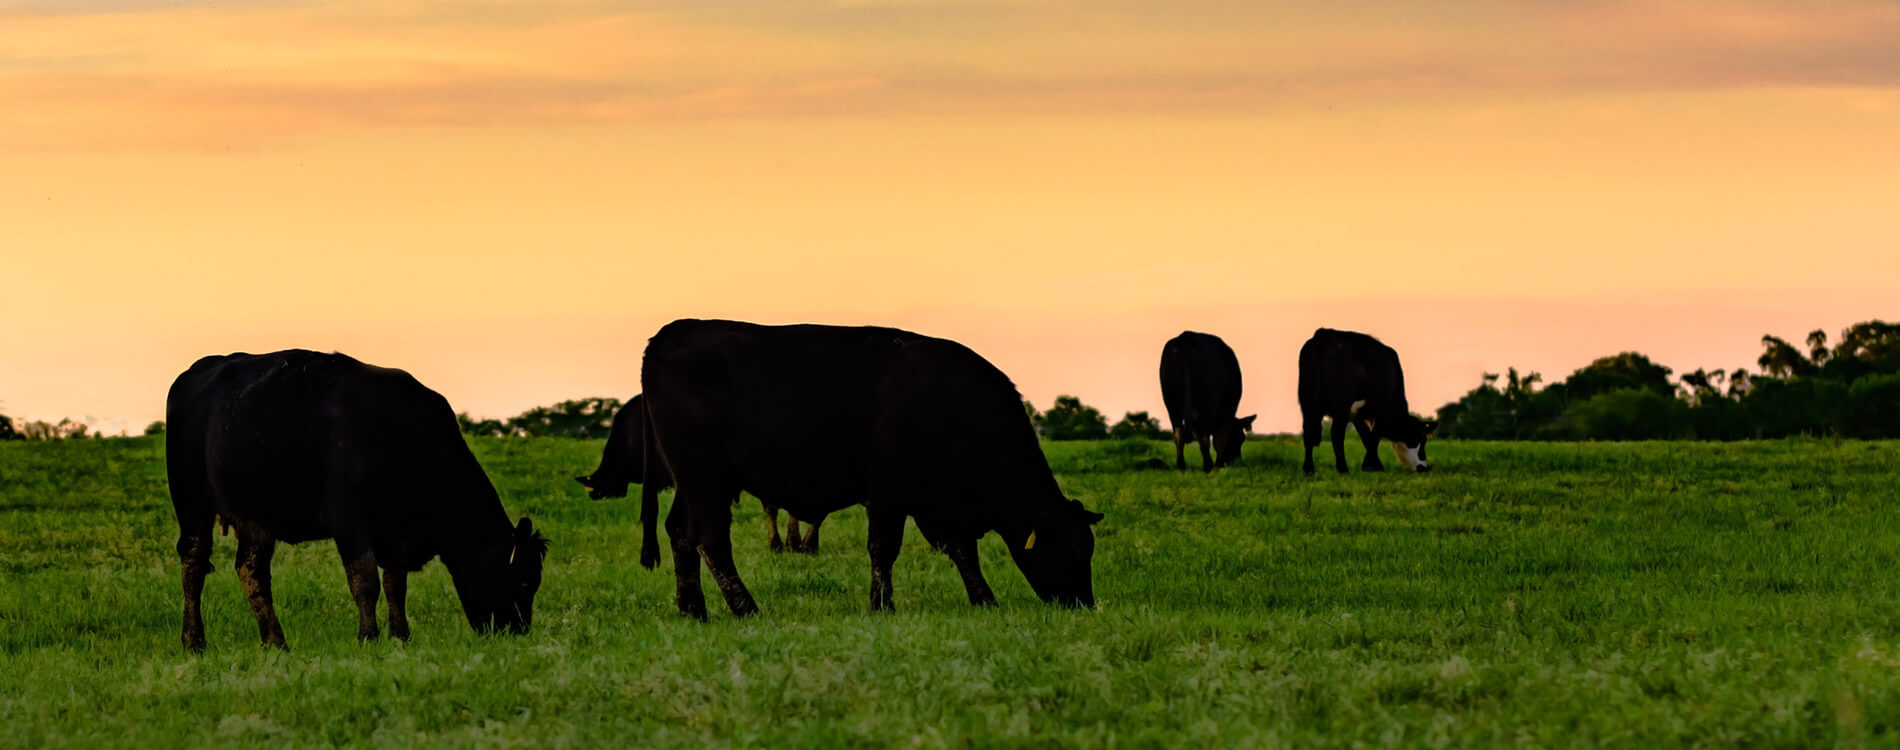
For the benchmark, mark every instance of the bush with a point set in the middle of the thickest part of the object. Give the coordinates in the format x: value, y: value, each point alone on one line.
x: 1137, y: 424
x: 1797, y: 406
x: 1720, y: 419
x: 1873, y: 408
x: 1628, y: 414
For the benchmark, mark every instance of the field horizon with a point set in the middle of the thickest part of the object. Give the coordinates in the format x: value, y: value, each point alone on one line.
x: 1663, y: 593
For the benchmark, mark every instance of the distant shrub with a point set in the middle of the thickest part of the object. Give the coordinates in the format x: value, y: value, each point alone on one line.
x: 1070, y: 419
x: 155, y: 428
x: 1796, y: 406
x: 1137, y: 424
x: 1628, y: 414
x: 1873, y: 408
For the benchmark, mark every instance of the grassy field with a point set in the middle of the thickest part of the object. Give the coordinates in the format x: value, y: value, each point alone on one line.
x: 1523, y: 594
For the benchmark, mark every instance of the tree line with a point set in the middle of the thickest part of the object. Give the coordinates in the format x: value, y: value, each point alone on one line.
x: 1850, y: 388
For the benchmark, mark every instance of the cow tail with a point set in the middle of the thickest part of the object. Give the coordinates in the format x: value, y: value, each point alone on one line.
x: 651, y: 473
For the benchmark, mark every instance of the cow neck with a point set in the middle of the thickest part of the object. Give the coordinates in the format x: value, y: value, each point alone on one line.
x: 472, y: 537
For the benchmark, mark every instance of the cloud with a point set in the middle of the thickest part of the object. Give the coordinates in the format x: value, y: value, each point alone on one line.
x: 103, y: 74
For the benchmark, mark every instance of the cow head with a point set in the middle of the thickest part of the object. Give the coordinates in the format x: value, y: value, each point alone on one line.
x: 1408, y: 435
x: 506, y: 598
x: 1228, y: 438
x: 1056, y: 555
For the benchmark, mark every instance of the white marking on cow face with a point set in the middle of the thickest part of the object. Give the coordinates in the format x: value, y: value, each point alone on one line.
x: 1356, y: 406
x: 1408, y: 455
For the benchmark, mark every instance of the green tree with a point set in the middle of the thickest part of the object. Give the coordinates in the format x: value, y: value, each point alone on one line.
x: 1070, y: 419
x: 155, y: 428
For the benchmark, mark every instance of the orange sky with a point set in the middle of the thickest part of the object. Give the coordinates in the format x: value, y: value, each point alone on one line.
x: 507, y: 198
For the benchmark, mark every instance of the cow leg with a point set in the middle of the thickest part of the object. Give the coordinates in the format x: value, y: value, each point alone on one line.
x: 713, y: 526
x: 1371, y: 441
x: 1339, y: 444
x: 1310, y: 430
x: 686, y: 591
x: 194, y: 563
x: 254, y: 552
x: 771, y: 527
x: 1207, y: 457
x: 396, y: 589
x: 884, y: 540
x: 1180, y: 447
x: 794, y: 540
x: 810, y: 545
x: 359, y: 566
x: 963, y: 553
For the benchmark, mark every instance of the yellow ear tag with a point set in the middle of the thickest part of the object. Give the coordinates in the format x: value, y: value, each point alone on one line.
x: 1031, y: 544
x: 511, y: 554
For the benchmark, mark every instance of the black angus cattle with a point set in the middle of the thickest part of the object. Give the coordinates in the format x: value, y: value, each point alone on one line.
x: 295, y: 445
x: 626, y: 459
x: 818, y: 418
x: 1200, y: 384
x: 1352, y: 377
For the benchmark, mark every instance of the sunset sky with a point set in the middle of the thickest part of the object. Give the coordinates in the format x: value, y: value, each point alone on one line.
x: 506, y: 198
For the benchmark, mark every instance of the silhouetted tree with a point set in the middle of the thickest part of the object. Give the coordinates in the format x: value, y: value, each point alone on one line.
x: 586, y: 418
x: 1136, y: 424
x: 1781, y: 359
x: 482, y: 427
x: 6, y: 428
x: 155, y: 428
x: 1070, y: 419
x: 1628, y: 370
x: 65, y: 429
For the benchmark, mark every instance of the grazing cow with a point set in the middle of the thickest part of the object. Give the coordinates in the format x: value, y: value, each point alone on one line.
x: 295, y: 445
x: 626, y: 459
x: 1200, y: 384
x: 819, y: 418
x: 1351, y: 377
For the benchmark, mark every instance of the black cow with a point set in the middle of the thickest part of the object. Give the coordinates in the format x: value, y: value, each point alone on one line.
x: 819, y: 418
x: 295, y: 445
x: 1200, y: 384
x: 1351, y: 377
x: 626, y: 460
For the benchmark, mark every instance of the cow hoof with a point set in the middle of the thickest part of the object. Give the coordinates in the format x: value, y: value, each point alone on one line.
x: 195, y: 645
x: 1372, y: 467
x: 777, y: 545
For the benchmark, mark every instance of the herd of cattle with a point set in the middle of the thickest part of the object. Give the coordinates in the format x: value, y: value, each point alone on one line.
x: 296, y: 445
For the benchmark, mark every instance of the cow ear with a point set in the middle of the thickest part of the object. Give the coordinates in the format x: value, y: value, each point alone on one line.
x: 1431, y: 427
x: 1092, y: 517
x: 524, y: 530
x: 586, y: 481
x: 1246, y: 422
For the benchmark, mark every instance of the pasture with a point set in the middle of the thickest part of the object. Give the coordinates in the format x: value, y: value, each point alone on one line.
x: 1527, y: 594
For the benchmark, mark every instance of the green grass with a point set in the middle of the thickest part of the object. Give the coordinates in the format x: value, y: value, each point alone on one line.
x: 1522, y: 594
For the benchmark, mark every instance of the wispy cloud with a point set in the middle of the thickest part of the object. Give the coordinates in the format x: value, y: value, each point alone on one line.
x: 135, y: 72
